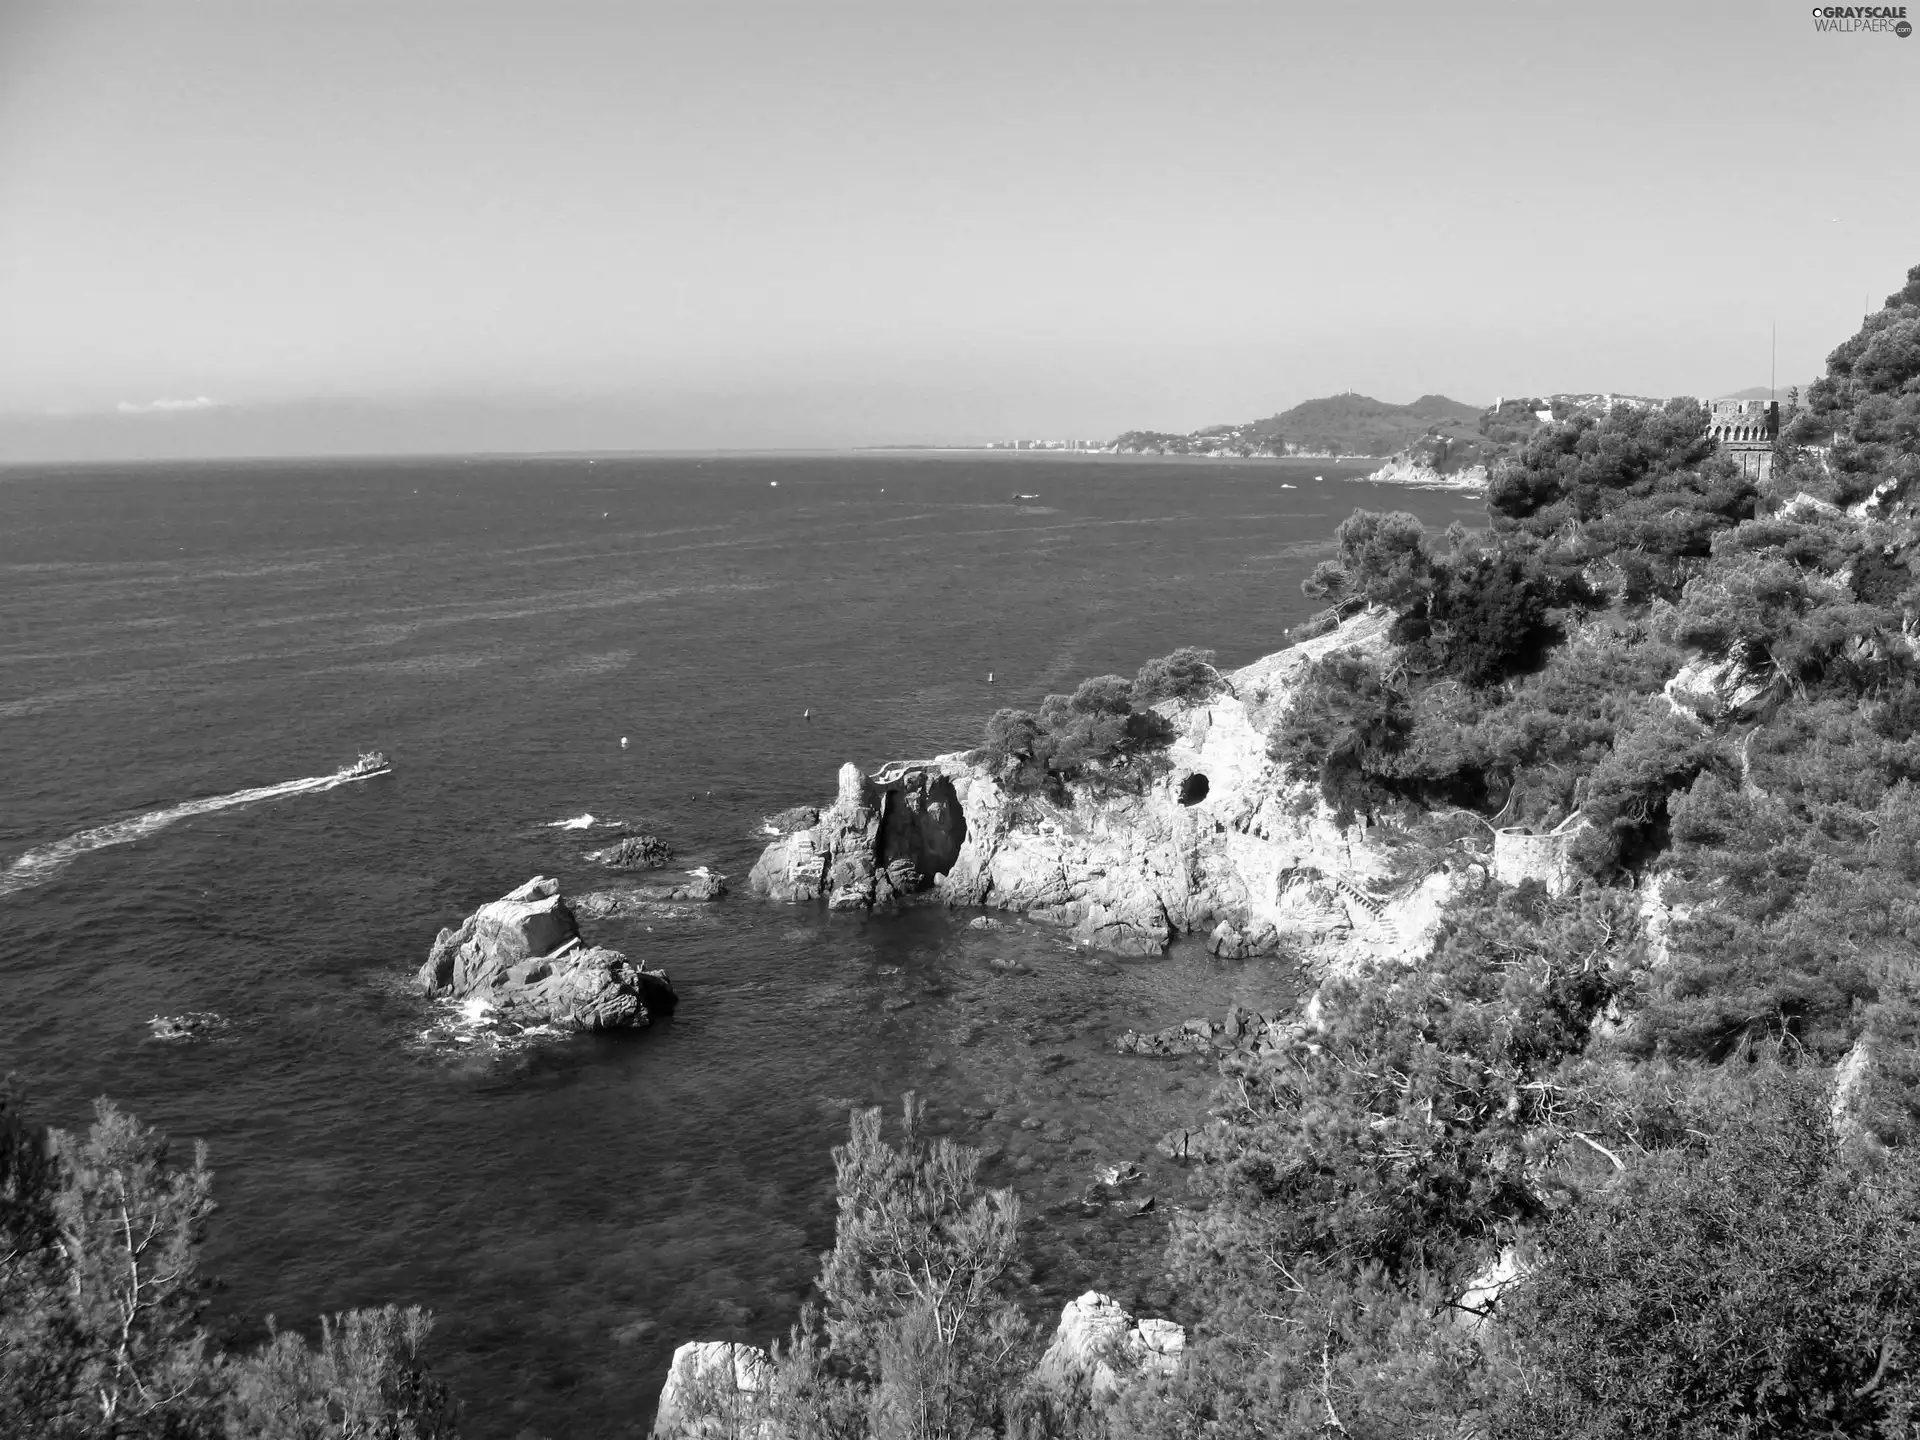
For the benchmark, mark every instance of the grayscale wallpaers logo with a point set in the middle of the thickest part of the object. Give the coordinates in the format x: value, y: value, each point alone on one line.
x: 1862, y: 20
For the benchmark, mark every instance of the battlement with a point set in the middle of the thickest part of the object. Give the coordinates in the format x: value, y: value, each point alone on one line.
x: 1752, y: 421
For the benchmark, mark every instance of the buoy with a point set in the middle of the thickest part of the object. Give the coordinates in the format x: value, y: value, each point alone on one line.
x: 623, y: 742
x: 989, y: 677
x: 775, y: 484
x: 806, y: 714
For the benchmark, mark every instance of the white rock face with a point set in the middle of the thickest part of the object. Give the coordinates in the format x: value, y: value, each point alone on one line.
x: 724, y: 1371
x: 1248, y: 856
x: 1719, y: 689
x: 1099, y: 1343
x: 1484, y: 1290
x: 1851, y: 1080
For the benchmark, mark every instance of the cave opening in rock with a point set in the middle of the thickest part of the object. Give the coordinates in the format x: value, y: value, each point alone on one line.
x: 1193, y: 789
x: 921, y: 820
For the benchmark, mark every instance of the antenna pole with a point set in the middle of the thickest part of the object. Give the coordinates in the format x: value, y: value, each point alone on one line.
x: 1773, y: 363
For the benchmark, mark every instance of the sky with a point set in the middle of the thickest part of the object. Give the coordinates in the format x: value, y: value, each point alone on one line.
x: 278, y: 227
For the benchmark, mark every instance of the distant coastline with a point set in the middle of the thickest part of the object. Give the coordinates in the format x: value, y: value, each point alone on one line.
x: 1151, y: 456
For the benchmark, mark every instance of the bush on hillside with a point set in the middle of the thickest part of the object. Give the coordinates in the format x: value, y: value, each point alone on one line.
x: 1638, y: 482
x: 1343, y: 732
x: 1094, y: 735
x: 1383, y: 560
x: 1490, y: 615
x: 1187, y: 676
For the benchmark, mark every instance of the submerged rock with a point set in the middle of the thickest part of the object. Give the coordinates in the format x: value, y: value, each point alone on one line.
x: 699, y: 886
x: 523, y: 956
x: 1241, y: 1030
x: 634, y: 852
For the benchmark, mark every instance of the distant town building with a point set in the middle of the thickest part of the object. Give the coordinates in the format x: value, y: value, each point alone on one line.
x: 1745, y: 431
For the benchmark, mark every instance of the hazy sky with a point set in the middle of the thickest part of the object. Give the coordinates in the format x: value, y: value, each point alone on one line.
x: 755, y: 224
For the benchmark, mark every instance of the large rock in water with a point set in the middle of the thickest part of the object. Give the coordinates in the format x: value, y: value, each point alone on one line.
x: 524, y: 955
x: 1223, y: 842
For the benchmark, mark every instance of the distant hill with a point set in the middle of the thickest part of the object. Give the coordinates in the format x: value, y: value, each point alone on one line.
x: 1360, y: 425
x: 1334, y: 425
x: 1758, y: 392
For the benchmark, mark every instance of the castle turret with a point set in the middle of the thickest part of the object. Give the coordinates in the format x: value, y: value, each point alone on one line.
x: 1745, y: 431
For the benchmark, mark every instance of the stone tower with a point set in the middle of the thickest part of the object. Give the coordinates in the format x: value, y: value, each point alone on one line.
x: 1745, y: 431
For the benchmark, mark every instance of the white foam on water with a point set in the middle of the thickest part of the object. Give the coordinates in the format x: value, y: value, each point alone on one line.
x: 578, y: 822
x: 40, y: 865
x: 476, y: 1022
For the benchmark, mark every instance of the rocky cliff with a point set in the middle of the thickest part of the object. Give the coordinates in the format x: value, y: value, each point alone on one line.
x: 1222, y: 843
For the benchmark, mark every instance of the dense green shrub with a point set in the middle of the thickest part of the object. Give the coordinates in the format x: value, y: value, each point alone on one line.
x: 1345, y: 727
x: 1656, y: 754
x: 1636, y: 478
x: 1755, y: 1287
x: 1094, y: 735
x: 1490, y: 615
x: 1187, y: 676
x: 1383, y: 560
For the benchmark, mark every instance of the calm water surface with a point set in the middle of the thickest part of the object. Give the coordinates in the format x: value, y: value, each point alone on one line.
x: 573, y: 1210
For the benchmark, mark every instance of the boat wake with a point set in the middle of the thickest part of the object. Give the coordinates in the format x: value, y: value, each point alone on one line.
x: 40, y: 865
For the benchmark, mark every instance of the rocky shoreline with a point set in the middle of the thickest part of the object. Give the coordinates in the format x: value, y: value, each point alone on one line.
x: 1405, y: 470
x: 1221, y: 844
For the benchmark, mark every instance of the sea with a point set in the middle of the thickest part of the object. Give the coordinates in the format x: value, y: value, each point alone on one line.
x: 191, y: 653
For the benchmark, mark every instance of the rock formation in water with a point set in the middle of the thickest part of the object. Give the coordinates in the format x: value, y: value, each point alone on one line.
x: 634, y: 852
x: 524, y: 956
x: 699, y: 885
x: 1223, y: 844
